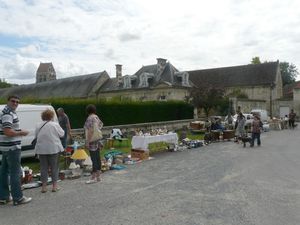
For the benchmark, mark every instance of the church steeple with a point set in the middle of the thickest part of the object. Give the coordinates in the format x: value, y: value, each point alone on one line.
x: 45, y: 72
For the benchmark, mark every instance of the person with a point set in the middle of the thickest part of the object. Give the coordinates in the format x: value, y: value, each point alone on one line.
x: 64, y: 122
x: 10, y: 146
x: 94, y: 147
x: 216, y: 125
x: 240, y: 128
x: 256, y: 127
x: 292, y: 117
x: 48, y: 147
x: 286, y: 121
x: 116, y: 133
x: 229, y: 121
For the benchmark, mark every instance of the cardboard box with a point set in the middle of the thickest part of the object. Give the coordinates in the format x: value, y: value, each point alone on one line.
x: 197, y: 125
x: 138, y: 153
x: 228, y: 134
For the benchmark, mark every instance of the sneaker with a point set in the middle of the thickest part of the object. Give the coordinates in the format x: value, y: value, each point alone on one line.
x: 91, y: 181
x: 23, y: 200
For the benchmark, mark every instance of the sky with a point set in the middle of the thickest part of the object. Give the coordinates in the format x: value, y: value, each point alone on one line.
x: 88, y: 36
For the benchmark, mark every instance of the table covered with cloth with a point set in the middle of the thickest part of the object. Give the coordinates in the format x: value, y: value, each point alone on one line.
x: 142, y: 142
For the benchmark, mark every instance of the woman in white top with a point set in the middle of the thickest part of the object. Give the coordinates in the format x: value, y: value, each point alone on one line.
x: 48, y: 147
x: 240, y: 129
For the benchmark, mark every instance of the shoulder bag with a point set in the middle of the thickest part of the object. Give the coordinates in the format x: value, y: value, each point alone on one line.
x: 97, y: 133
x: 33, y: 143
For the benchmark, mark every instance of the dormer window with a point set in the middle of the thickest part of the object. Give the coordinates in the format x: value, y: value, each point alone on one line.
x: 145, y: 78
x: 127, y: 82
x: 183, y: 77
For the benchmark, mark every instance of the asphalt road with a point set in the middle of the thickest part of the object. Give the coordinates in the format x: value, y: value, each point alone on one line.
x: 222, y: 183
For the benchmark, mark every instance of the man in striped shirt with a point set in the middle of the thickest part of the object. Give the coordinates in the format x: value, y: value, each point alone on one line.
x: 10, y: 146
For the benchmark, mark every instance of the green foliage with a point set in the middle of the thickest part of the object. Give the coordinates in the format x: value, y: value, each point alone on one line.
x: 255, y: 60
x: 208, y: 98
x: 223, y: 107
x: 118, y: 112
x: 4, y: 84
x: 289, y: 72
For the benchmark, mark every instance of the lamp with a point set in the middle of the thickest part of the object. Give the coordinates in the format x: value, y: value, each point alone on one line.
x: 79, y: 154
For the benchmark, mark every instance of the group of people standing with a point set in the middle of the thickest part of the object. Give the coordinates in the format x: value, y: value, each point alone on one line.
x: 256, y: 128
x: 51, y: 141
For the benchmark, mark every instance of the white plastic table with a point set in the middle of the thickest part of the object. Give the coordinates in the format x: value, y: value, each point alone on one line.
x: 142, y: 142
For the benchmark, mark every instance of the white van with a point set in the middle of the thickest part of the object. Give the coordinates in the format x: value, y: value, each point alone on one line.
x: 29, y: 116
x: 248, y: 117
x: 263, y: 114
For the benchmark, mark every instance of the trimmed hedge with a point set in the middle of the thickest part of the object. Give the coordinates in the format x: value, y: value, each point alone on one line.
x: 120, y: 112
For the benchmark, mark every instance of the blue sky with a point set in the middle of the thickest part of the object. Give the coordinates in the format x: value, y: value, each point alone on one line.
x: 81, y: 37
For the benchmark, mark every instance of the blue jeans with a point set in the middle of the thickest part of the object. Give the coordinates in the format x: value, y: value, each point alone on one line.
x: 255, y: 136
x: 10, y: 173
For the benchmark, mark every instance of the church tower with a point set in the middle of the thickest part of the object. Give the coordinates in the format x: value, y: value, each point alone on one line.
x: 45, y: 72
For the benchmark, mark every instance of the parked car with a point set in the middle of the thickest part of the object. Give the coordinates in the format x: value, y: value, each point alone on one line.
x: 29, y: 116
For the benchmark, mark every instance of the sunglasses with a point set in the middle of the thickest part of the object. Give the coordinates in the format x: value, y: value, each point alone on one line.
x: 14, y: 101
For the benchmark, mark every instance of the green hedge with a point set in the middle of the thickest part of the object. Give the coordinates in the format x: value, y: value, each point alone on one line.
x: 119, y: 112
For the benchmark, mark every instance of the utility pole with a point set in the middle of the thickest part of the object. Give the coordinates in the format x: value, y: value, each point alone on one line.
x: 272, y: 86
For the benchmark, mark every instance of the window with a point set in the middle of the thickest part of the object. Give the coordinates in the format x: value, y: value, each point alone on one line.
x: 162, y: 98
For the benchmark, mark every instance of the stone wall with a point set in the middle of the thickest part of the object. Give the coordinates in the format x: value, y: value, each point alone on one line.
x: 130, y: 129
x: 148, y: 94
x: 261, y: 93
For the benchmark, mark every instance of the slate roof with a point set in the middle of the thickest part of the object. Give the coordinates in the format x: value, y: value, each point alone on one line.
x: 43, y: 67
x: 167, y: 76
x: 78, y: 86
x: 245, y: 75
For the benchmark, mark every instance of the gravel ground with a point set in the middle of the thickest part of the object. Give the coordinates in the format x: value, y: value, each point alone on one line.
x: 222, y: 183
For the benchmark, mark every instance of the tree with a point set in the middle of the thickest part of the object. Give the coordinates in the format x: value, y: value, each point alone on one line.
x: 255, y: 60
x: 288, y: 71
x: 4, y: 84
x: 207, y: 98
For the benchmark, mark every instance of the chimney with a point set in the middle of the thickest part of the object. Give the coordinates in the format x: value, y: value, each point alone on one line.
x: 161, y: 63
x: 119, y: 73
x: 118, y: 70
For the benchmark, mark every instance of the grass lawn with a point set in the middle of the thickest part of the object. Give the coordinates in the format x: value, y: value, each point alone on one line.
x: 119, y: 146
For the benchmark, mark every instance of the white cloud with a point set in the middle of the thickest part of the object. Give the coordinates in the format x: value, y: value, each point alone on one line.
x: 124, y: 37
x: 30, y: 50
x: 19, y: 69
x: 91, y: 36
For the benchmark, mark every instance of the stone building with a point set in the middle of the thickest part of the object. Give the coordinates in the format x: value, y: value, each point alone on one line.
x: 259, y: 84
x: 45, y: 72
x: 160, y: 81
